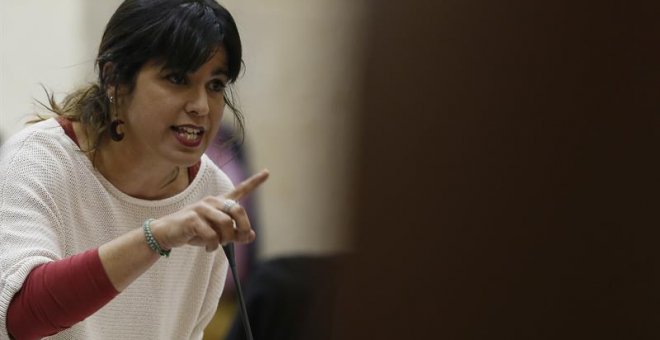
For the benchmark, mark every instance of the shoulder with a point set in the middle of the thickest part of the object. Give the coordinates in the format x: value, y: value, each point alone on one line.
x: 45, y: 137
x: 40, y: 149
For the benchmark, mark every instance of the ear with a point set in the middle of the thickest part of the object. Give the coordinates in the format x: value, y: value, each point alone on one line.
x: 109, y: 80
x: 108, y: 73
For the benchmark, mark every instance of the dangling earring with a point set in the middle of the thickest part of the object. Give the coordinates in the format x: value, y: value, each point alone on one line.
x: 115, y: 135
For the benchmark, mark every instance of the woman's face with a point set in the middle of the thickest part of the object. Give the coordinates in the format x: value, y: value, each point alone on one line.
x: 171, y: 117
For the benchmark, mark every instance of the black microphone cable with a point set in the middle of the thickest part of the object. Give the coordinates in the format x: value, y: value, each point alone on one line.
x: 229, y: 251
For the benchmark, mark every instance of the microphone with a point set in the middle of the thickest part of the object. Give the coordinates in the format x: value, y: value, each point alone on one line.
x: 229, y: 252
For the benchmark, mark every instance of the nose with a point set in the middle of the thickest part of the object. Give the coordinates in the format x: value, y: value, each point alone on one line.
x: 197, y: 102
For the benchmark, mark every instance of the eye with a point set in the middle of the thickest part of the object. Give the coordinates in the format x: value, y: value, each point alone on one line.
x: 176, y: 78
x: 217, y: 85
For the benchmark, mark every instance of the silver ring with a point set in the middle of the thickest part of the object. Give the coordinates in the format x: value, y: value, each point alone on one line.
x: 228, y: 205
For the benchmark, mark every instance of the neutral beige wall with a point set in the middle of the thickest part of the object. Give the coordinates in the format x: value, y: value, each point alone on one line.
x: 297, y: 95
x: 39, y: 43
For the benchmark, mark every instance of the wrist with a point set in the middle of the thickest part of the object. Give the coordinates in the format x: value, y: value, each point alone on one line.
x: 158, y: 229
x: 152, y: 234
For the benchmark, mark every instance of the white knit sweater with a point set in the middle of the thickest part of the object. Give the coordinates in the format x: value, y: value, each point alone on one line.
x: 54, y: 204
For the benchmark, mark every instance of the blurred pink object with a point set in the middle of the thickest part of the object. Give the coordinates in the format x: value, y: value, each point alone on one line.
x: 231, y: 159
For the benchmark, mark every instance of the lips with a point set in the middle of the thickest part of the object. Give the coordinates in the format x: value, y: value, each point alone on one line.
x: 188, y: 135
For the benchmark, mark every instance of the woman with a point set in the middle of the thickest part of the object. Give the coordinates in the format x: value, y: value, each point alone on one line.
x: 92, y: 199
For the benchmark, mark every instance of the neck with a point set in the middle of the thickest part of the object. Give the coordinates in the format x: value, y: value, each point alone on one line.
x: 133, y: 174
x: 140, y: 179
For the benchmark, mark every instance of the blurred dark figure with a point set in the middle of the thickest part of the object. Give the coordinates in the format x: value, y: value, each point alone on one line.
x: 289, y: 298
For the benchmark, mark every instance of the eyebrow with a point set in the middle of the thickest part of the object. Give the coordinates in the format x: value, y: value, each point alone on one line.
x: 220, y: 71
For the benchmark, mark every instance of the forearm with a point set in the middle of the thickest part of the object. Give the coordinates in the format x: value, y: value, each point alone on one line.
x: 126, y: 258
x: 59, y: 294
x: 204, y: 223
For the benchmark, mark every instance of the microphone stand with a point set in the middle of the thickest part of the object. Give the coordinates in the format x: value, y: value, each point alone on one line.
x: 229, y: 252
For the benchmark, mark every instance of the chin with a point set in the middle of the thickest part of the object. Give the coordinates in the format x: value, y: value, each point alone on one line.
x: 192, y: 162
x: 187, y: 160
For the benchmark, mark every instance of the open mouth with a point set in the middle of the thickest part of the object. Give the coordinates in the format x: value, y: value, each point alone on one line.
x: 188, y: 135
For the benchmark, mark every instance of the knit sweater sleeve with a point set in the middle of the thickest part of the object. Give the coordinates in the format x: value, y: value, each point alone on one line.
x: 59, y: 294
x: 29, y: 225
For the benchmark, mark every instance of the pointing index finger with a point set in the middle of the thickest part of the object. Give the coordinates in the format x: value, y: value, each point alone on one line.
x: 248, y: 185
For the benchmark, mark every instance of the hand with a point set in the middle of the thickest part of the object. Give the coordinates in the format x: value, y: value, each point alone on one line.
x: 206, y: 224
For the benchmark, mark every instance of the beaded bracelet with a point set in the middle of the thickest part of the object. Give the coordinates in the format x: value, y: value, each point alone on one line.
x: 151, y: 240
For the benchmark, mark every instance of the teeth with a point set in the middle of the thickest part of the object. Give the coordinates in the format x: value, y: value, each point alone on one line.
x: 188, y: 136
x: 190, y: 130
x: 189, y: 133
